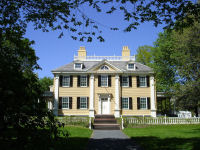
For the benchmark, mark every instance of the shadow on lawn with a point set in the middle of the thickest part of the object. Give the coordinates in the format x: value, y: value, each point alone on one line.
x: 155, y: 143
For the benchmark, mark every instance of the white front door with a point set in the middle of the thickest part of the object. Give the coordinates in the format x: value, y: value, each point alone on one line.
x: 105, y: 106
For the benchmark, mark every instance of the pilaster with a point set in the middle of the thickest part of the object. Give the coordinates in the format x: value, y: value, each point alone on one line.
x: 56, y: 96
x: 153, y: 103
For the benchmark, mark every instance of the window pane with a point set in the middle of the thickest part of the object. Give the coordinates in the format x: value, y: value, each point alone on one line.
x: 143, y: 103
x: 142, y: 81
x: 125, y: 103
x: 104, y: 68
x: 83, y: 80
x: 66, y: 81
x: 65, y: 102
x: 125, y: 81
x: 77, y: 66
x: 104, y: 80
x: 83, y: 102
x: 130, y: 66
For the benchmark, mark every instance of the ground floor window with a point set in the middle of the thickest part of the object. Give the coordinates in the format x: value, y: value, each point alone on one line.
x: 125, y: 103
x: 65, y: 102
x: 143, y: 103
x: 83, y: 102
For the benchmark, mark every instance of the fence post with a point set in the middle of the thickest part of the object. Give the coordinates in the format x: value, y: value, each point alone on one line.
x: 122, y: 122
x: 90, y: 123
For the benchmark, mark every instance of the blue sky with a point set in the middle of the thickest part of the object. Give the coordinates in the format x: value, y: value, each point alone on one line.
x: 54, y: 52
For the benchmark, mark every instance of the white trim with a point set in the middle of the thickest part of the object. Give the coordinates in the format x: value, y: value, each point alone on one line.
x: 56, y: 96
x: 117, y: 110
x: 153, y: 104
x: 91, y: 107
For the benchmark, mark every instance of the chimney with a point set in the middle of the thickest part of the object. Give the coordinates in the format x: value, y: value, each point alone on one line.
x: 82, y: 53
x: 125, y: 53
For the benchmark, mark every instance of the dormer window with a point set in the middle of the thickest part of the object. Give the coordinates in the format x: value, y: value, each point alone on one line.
x: 131, y: 66
x: 78, y: 66
x: 104, y: 67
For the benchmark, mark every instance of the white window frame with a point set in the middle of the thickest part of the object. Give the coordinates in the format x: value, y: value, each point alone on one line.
x: 104, y: 67
x: 63, y: 81
x: 131, y: 68
x: 85, y: 79
x: 145, y: 81
x: 65, y: 102
x: 78, y: 68
x: 146, y: 103
x: 107, y: 80
x: 128, y: 103
x: 85, y: 102
x: 127, y: 82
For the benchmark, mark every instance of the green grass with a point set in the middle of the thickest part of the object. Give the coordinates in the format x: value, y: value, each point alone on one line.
x: 170, y: 137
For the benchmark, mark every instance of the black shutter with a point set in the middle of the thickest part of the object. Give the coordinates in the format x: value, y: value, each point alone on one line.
x: 70, y: 102
x: 78, y: 82
x: 138, y: 102
x: 99, y: 81
x: 109, y: 80
x: 60, y: 103
x: 148, y: 103
x: 130, y: 81
x: 78, y: 102
x: 130, y: 103
x: 71, y: 81
x: 88, y: 80
x: 87, y: 102
x: 60, y: 80
x: 121, y: 102
x: 120, y: 77
x: 138, y: 81
x: 147, y: 81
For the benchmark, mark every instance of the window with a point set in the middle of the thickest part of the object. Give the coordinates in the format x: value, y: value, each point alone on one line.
x: 125, y: 103
x: 65, y: 102
x: 143, y: 103
x: 83, y: 81
x: 125, y: 81
x: 83, y: 102
x: 104, y: 67
x: 143, y: 82
x: 104, y: 80
x: 78, y: 66
x: 131, y: 66
x: 66, y: 81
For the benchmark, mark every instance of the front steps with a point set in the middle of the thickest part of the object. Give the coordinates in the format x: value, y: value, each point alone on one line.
x: 105, y: 122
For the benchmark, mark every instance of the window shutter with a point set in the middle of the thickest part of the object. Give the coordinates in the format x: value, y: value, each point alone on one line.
x: 121, y: 102
x: 78, y: 81
x: 109, y: 80
x: 60, y: 80
x: 147, y: 81
x: 138, y: 81
x: 99, y: 81
x: 87, y: 102
x: 78, y: 102
x: 88, y: 80
x: 60, y: 103
x: 71, y: 81
x: 130, y: 103
x: 148, y: 103
x: 120, y: 78
x: 138, y: 102
x: 70, y: 102
x: 130, y: 81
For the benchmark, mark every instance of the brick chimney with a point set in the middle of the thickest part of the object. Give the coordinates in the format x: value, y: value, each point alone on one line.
x: 82, y: 53
x: 125, y: 53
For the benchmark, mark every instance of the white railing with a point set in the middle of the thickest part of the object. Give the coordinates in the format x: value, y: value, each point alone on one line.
x: 109, y: 58
x: 162, y: 120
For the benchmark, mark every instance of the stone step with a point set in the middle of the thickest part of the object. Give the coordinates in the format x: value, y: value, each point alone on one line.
x: 105, y: 116
x: 105, y: 121
x: 106, y: 126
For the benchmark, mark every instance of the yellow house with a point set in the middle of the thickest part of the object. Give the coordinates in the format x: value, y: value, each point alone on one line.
x: 116, y: 85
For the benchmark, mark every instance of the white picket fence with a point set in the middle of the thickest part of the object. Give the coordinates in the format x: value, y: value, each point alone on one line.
x: 162, y: 120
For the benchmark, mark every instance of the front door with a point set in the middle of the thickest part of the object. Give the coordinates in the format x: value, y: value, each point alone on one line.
x: 104, y: 106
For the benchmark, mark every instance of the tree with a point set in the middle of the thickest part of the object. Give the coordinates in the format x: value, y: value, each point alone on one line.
x: 45, y: 83
x: 144, y: 55
x: 67, y: 15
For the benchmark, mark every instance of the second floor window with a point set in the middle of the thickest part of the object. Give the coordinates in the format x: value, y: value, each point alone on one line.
x: 66, y: 81
x: 143, y: 81
x: 104, y: 80
x: 125, y: 81
x: 83, y: 81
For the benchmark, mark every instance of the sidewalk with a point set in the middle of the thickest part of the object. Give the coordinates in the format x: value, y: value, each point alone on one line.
x: 111, y: 140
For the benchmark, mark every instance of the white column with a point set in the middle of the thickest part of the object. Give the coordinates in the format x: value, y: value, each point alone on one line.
x: 55, y: 107
x: 109, y: 104
x: 153, y: 98
x: 91, y: 109
x: 117, y: 110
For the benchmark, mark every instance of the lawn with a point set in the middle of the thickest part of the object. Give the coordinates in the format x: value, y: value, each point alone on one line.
x: 170, y: 137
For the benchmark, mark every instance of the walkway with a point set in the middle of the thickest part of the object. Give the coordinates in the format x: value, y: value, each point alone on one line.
x: 111, y: 140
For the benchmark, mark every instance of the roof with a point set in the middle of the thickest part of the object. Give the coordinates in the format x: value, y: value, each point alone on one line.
x: 88, y: 65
